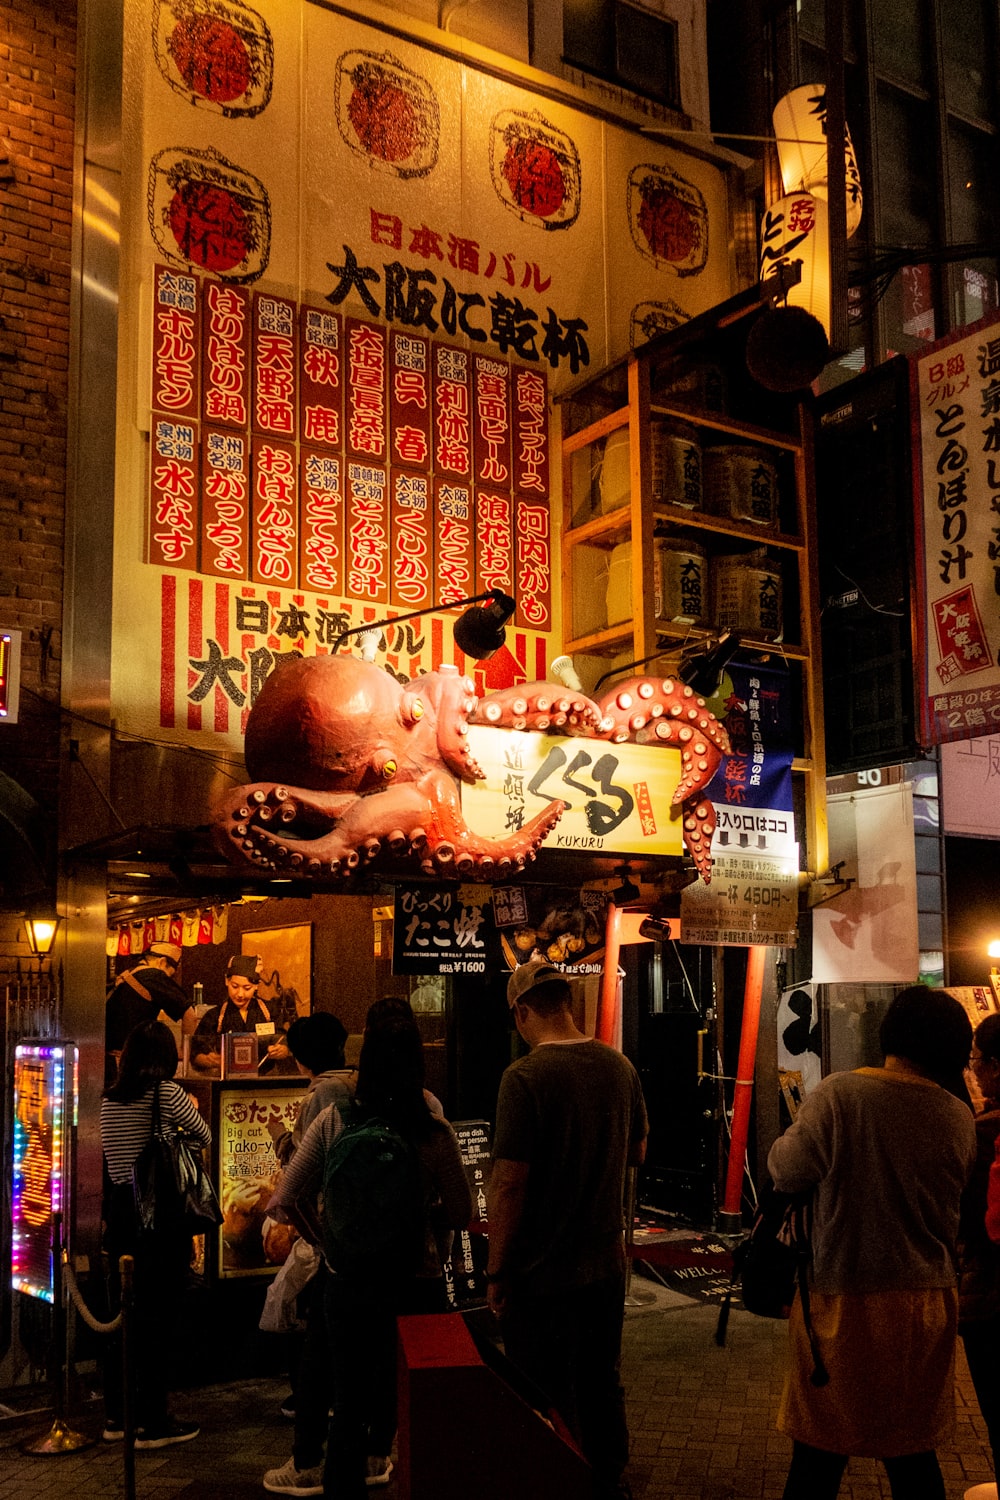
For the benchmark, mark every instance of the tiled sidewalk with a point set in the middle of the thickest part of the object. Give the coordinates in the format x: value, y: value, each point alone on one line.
x: 702, y: 1423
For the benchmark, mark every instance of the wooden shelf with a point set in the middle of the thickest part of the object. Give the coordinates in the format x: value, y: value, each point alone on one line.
x: 642, y: 521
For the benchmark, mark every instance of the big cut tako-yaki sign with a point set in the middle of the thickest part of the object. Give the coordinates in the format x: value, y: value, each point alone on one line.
x: 349, y: 766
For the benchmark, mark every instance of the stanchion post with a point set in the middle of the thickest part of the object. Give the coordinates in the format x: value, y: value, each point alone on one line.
x: 60, y: 1437
x: 126, y: 1270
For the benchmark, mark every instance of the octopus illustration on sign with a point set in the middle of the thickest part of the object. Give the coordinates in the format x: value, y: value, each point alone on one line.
x: 347, y: 762
x: 209, y: 214
x: 217, y: 53
x: 535, y: 169
x: 387, y: 113
x: 668, y: 219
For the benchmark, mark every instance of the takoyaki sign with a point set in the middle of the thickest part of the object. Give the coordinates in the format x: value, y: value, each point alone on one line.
x: 367, y: 263
x: 617, y: 798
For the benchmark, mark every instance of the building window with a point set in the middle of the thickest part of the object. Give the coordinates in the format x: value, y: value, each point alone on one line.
x: 625, y: 45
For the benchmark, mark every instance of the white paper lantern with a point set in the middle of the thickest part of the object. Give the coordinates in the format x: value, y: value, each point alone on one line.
x: 795, y: 229
x: 800, y: 129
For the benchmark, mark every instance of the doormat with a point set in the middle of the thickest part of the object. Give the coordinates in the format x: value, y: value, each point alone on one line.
x: 699, y: 1265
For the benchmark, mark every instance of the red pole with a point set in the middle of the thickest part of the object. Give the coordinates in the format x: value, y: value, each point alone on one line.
x: 743, y: 1092
x: 607, y: 1010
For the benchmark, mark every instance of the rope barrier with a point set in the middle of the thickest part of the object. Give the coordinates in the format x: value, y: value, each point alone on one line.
x: 69, y: 1276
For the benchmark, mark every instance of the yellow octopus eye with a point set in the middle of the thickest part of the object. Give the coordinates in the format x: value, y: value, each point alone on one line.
x: 389, y: 770
x: 417, y: 712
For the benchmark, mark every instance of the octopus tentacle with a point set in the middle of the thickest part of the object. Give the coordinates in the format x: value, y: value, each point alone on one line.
x: 538, y: 705
x: 668, y: 712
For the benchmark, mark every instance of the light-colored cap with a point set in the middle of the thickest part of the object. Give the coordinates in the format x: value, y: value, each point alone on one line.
x: 173, y: 951
x: 528, y: 976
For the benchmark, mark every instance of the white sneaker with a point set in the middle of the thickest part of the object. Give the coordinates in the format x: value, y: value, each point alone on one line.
x: 288, y: 1480
x: 379, y: 1469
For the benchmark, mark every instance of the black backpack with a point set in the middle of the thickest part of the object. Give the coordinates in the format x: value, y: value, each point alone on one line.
x: 373, y: 1202
x: 770, y: 1263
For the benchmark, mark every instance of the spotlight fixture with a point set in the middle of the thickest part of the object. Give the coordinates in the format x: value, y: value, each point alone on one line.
x: 479, y: 633
x: 703, y: 670
x: 656, y: 928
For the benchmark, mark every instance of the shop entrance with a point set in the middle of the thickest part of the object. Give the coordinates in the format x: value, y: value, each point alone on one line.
x: 669, y: 993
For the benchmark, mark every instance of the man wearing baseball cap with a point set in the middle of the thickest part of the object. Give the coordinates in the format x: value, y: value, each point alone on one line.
x: 140, y: 995
x: 570, y: 1120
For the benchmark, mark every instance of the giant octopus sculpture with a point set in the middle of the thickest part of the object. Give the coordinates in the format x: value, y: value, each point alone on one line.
x: 347, y: 762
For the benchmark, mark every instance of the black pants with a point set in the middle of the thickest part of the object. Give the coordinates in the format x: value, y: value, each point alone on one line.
x: 982, y: 1351
x: 161, y: 1266
x: 361, y: 1325
x: 569, y: 1345
x: 312, y: 1382
x: 816, y: 1475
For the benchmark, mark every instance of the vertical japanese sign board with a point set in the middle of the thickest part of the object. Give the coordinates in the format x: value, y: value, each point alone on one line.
x: 466, y: 1271
x: 46, y: 1091
x: 955, y: 389
x: 753, y: 896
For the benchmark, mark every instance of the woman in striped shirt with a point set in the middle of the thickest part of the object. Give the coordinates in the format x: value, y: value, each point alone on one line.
x: 148, y: 1064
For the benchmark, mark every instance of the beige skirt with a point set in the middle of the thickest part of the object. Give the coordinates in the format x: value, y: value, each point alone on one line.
x: 891, y: 1358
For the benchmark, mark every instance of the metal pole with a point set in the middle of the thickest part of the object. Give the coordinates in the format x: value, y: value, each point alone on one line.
x: 730, y: 1219
x: 60, y: 1438
x: 126, y: 1270
x: 608, y: 1019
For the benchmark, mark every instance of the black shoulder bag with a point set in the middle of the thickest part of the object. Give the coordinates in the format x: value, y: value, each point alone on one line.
x: 173, y: 1192
x: 770, y: 1263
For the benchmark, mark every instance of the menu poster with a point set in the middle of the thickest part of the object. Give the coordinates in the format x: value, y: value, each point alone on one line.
x: 248, y: 1174
x: 444, y: 929
x: 466, y: 1271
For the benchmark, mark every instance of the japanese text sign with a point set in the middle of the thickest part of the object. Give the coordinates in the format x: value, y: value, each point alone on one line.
x: 251, y: 1116
x: 444, y: 929
x: 956, y: 419
x: 619, y: 796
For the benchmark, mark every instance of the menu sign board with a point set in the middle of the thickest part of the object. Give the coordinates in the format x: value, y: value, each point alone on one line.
x: 251, y: 1115
x: 466, y: 1271
x: 444, y: 929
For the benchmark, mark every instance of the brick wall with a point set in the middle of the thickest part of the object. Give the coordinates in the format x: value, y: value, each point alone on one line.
x: 37, y: 82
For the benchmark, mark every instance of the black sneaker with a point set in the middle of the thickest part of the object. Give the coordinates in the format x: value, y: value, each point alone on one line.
x: 172, y: 1431
x: 113, y: 1432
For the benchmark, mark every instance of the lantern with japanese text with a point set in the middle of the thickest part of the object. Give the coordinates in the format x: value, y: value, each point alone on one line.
x: 795, y: 229
x: 799, y: 120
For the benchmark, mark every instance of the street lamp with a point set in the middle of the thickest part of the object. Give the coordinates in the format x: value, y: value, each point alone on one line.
x: 41, y: 934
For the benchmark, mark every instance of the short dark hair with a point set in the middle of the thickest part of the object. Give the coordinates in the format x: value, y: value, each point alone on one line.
x: 928, y: 1027
x: 549, y: 998
x: 987, y: 1038
x: 317, y: 1041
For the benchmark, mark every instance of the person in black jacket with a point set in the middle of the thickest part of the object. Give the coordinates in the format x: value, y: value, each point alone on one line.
x: 140, y: 995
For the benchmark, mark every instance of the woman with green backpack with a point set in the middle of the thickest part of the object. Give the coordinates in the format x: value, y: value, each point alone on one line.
x: 382, y: 1198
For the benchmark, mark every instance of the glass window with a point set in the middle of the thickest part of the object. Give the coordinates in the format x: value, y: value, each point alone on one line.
x: 906, y: 185
x: 972, y: 168
x: 901, y: 41
x: 624, y: 44
x: 967, y: 37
